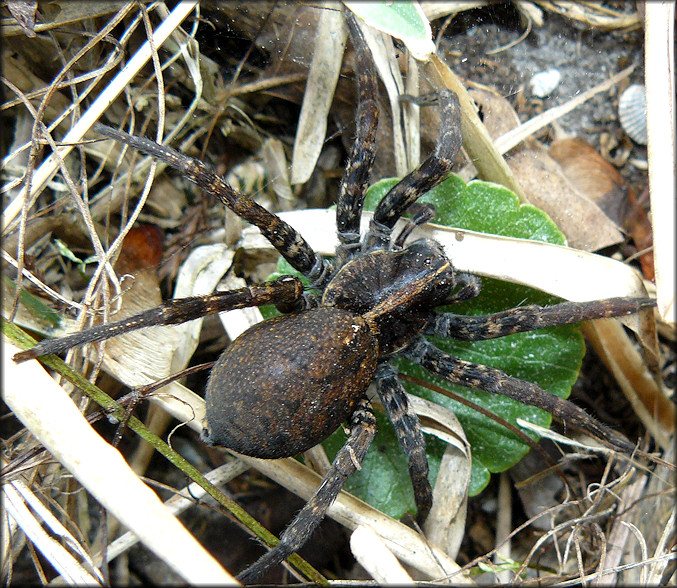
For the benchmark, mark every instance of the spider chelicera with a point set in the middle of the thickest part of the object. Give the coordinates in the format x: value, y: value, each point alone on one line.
x: 289, y: 382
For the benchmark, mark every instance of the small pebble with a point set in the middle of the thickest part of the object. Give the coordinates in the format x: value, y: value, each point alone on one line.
x: 544, y: 82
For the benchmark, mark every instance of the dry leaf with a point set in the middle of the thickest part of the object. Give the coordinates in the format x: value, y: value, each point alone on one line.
x: 498, y: 115
x: 585, y: 226
x: 591, y: 175
x: 330, y: 42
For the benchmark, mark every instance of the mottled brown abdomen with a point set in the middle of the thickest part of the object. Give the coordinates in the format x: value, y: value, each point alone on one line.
x: 288, y: 383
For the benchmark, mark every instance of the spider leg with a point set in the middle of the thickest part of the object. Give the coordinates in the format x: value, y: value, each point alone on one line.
x: 348, y: 459
x: 425, y: 177
x: 472, y: 375
x: 421, y: 213
x: 286, y: 290
x: 355, y: 178
x: 291, y: 245
x: 408, y: 430
x: 530, y: 318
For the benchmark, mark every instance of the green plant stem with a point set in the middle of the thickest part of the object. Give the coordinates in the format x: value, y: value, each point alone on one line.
x: 23, y: 340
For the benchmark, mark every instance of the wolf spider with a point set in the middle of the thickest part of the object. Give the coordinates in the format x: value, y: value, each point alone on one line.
x: 289, y: 382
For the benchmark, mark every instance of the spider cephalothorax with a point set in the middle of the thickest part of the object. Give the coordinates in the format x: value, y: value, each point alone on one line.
x: 286, y: 384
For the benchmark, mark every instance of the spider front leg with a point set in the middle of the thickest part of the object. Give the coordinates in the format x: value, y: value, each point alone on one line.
x: 530, y: 318
x: 286, y: 290
x: 425, y: 177
x: 355, y: 180
x: 347, y: 461
x: 408, y: 430
x: 481, y: 377
x: 291, y: 245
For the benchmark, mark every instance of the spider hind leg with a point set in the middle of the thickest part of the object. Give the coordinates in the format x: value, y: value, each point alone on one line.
x: 408, y: 430
x: 347, y: 461
x: 481, y: 377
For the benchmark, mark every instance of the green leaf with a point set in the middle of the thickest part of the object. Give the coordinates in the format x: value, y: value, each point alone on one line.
x: 480, y: 206
x: 63, y: 249
x: 45, y: 318
x: 548, y: 357
x: 403, y: 20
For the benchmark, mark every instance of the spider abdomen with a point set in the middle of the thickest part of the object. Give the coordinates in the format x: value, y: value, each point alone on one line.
x: 287, y: 383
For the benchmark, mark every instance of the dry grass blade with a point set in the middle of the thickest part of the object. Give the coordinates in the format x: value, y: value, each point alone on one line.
x: 410, y: 547
x: 176, y: 505
x: 593, y: 14
x: 445, y: 526
x: 383, y: 53
x: 29, y: 514
x: 47, y: 170
x: 50, y: 414
x: 322, y: 77
x: 376, y: 558
x: 660, y: 83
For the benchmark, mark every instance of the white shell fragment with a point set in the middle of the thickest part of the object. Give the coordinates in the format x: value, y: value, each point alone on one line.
x: 632, y: 113
x: 544, y: 82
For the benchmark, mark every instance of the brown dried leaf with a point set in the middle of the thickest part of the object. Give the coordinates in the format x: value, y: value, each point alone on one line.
x: 638, y: 224
x: 591, y: 175
x: 579, y: 218
x: 499, y: 117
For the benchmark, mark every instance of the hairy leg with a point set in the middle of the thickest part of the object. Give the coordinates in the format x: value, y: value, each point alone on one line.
x: 355, y: 178
x: 530, y: 318
x: 408, y: 430
x: 425, y: 177
x: 472, y: 375
x: 291, y: 245
x: 348, y: 459
x: 286, y: 290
